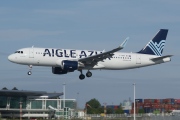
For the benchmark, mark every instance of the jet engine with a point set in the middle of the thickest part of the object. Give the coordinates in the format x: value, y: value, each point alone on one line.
x: 58, y: 70
x: 69, y: 66
x: 66, y: 66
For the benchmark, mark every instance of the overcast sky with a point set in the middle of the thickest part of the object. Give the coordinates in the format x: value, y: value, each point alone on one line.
x: 91, y: 25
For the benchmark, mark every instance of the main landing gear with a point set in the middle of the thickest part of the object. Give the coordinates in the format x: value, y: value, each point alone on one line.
x: 30, y: 68
x: 82, y: 76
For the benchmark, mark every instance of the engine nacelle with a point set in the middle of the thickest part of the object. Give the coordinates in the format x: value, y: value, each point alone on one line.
x: 65, y: 67
x: 69, y: 66
x: 58, y: 70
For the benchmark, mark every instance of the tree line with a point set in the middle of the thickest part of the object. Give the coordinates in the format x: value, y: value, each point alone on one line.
x: 93, y: 106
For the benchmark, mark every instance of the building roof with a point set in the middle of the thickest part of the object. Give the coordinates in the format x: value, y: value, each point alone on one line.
x: 25, y: 93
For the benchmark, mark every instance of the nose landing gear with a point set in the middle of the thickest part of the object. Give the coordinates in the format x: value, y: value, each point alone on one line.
x: 30, y: 68
x: 29, y: 73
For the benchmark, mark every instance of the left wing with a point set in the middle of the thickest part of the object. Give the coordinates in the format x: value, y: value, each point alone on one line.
x: 93, y: 60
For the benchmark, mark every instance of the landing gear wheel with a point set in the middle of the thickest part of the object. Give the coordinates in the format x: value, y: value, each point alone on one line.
x: 88, y: 74
x: 81, y: 76
x: 29, y: 73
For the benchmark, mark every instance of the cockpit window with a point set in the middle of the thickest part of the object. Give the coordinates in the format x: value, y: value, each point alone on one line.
x: 21, y: 52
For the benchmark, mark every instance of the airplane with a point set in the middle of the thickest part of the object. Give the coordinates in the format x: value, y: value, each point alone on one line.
x: 64, y: 61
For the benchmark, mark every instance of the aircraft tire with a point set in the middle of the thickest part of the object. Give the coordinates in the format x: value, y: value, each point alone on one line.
x: 29, y: 73
x: 81, y: 76
x: 88, y: 74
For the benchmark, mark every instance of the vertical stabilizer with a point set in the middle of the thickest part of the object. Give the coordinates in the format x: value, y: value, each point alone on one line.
x: 156, y: 45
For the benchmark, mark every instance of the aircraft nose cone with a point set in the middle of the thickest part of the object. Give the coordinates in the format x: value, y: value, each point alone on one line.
x: 10, y: 58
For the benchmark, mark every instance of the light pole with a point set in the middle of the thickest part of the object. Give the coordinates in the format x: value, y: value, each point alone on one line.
x: 134, y: 101
x: 105, y: 110
x: 77, y: 100
x: 20, y: 110
x: 64, y: 85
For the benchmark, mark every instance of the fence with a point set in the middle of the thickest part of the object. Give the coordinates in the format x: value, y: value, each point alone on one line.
x: 130, y: 117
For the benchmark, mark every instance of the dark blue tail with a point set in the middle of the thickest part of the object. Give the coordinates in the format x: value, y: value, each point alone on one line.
x: 156, y: 45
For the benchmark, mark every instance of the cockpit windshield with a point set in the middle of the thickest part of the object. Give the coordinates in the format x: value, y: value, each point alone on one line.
x: 20, y: 52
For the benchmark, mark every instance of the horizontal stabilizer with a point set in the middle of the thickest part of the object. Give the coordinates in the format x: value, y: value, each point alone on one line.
x: 160, y: 58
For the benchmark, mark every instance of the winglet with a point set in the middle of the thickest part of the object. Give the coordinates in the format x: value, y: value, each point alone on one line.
x: 124, y: 43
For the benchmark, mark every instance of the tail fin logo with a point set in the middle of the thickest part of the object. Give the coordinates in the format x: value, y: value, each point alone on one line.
x: 157, y: 48
x: 156, y: 45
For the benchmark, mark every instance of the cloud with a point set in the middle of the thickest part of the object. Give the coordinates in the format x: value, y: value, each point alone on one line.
x: 19, y: 34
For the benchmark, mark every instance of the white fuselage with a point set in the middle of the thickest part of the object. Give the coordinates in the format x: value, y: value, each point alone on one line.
x: 63, y: 61
x: 53, y: 57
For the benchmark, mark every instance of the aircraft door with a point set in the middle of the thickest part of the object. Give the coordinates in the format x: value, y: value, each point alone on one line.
x: 138, y: 59
x: 31, y: 52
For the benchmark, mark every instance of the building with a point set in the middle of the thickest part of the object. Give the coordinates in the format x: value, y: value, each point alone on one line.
x: 126, y: 105
x: 156, y: 106
x: 34, y: 104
